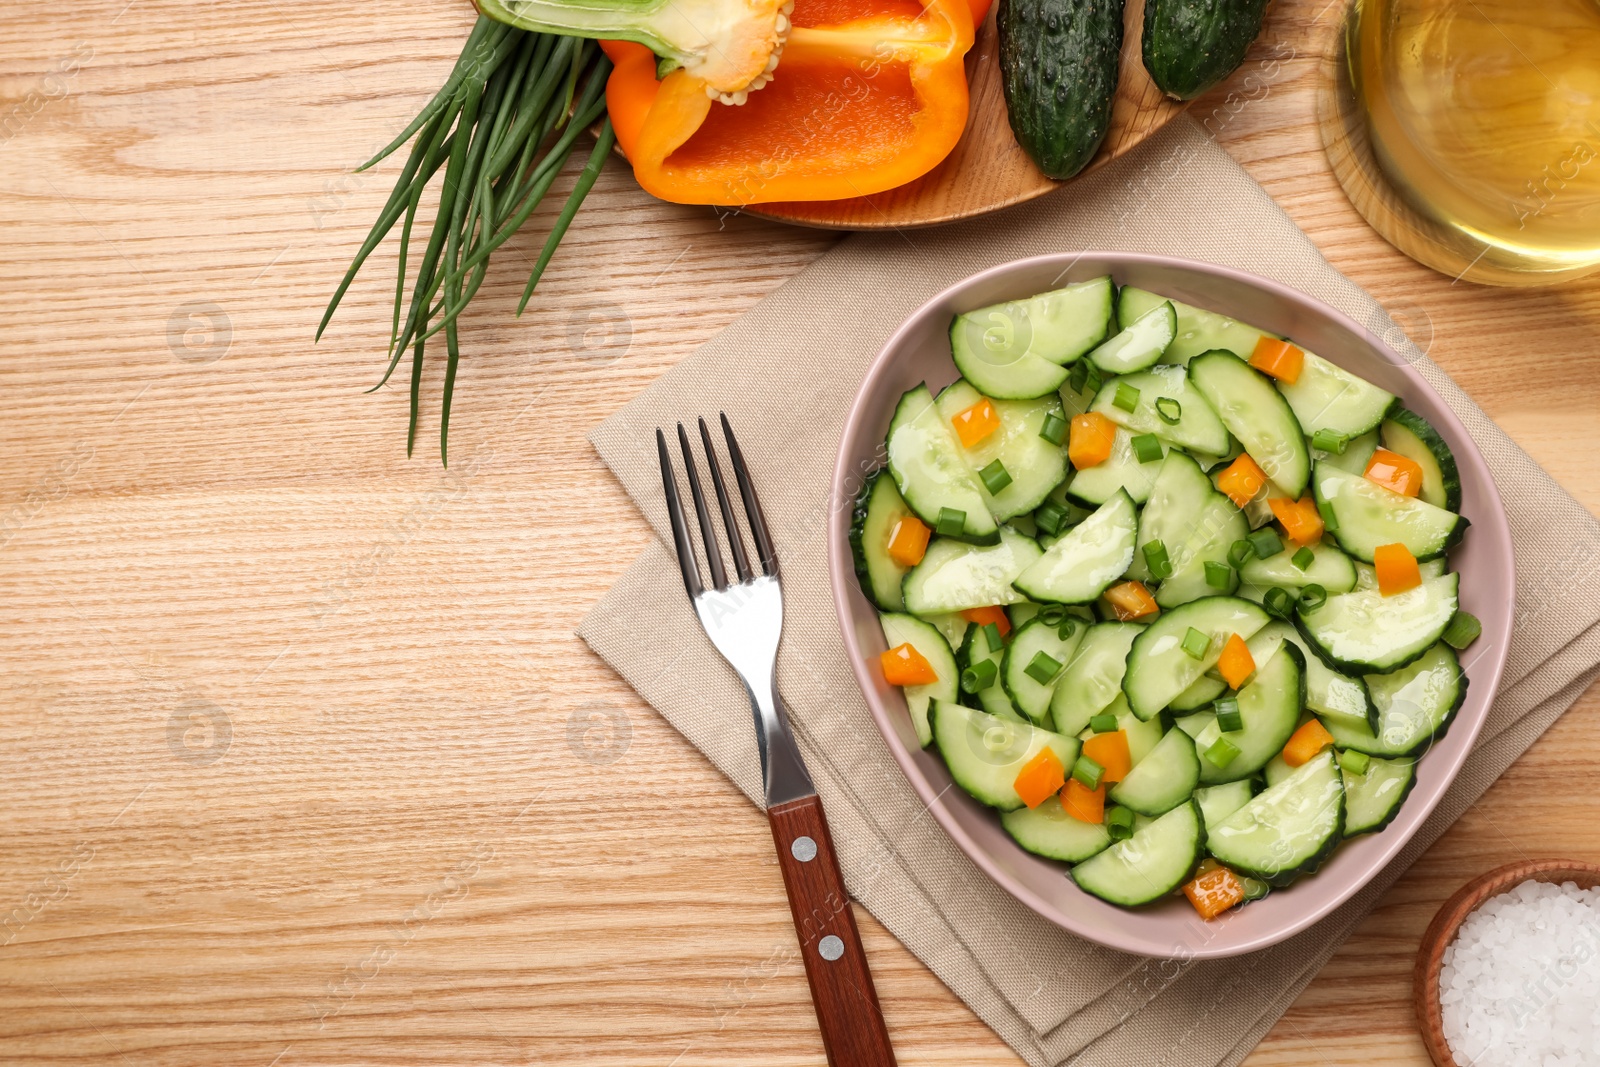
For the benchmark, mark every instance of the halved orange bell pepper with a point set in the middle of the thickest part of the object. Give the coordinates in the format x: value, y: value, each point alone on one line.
x: 867, y: 95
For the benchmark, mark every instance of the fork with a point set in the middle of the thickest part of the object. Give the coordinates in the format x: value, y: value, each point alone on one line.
x: 744, y: 619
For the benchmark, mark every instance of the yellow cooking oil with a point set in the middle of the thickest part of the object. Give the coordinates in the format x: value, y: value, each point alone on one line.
x: 1483, y: 117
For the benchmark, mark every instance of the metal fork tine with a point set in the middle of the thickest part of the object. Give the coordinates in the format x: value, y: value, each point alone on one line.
x: 752, y: 506
x: 741, y: 558
x: 719, y: 575
x: 680, y: 528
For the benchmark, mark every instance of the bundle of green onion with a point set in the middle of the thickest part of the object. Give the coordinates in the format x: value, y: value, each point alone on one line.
x: 502, y: 127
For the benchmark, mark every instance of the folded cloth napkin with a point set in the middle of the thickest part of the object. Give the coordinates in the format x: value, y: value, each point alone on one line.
x: 786, y: 374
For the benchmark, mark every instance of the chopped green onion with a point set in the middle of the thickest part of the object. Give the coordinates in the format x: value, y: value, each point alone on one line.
x: 1043, y: 668
x: 1119, y: 823
x: 1052, y: 614
x: 1239, y: 552
x: 1228, y: 717
x: 1103, y: 724
x: 951, y: 522
x: 1303, y: 559
x: 1092, y: 381
x: 1330, y: 521
x: 1169, y: 409
x: 1050, y: 517
x: 1279, y: 602
x: 1218, y: 575
x: 1079, y: 375
x: 1195, y: 643
x: 1265, y: 542
x: 1313, y: 597
x: 979, y: 676
x: 1464, y: 629
x: 1147, y: 446
x: 1222, y: 752
x: 1329, y: 441
x: 1068, y: 627
x: 991, y: 636
x: 1054, y: 429
x: 1127, y: 397
x: 995, y: 478
x: 1355, y: 762
x: 1088, y: 772
x: 1156, y: 558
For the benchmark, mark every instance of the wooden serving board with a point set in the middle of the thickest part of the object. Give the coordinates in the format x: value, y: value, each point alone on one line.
x: 988, y: 169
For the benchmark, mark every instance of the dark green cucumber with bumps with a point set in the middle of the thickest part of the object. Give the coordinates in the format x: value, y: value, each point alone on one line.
x: 1191, y: 45
x: 1058, y: 65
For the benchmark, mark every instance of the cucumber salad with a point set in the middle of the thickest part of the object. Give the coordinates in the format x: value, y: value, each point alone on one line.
x: 1170, y: 593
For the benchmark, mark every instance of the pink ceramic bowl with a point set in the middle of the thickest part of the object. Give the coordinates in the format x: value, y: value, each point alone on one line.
x: 920, y: 351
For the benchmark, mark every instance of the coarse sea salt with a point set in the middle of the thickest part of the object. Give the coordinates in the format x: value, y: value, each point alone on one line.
x: 1520, y: 986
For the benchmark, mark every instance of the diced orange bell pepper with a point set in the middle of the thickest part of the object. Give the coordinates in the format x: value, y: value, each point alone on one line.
x: 1083, y: 803
x: 1242, y: 480
x: 904, y: 665
x: 1236, y: 664
x: 867, y: 95
x: 1040, y: 778
x: 975, y: 423
x: 1213, y: 892
x: 1110, y: 750
x: 1306, y: 742
x: 1278, y: 358
x: 1092, y: 437
x: 908, y: 541
x: 1397, y: 569
x: 984, y: 616
x: 1131, y: 600
x: 1301, y: 519
x: 1395, y: 472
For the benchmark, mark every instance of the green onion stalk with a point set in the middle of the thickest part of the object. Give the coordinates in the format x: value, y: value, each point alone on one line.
x: 501, y: 129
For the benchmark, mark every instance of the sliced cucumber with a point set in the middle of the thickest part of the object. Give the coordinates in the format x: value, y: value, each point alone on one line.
x: 1217, y: 802
x: 1288, y: 829
x: 1415, y: 707
x: 1122, y: 471
x: 1276, y: 770
x: 1093, y: 680
x: 1198, y: 428
x: 879, y: 510
x: 1368, y: 515
x: 1198, y: 330
x: 1329, y: 568
x: 1020, y: 349
x: 1328, y: 693
x: 930, y: 471
x: 1140, y: 343
x: 1163, y: 779
x: 1198, y: 695
x: 1195, y: 524
x: 952, y: 624
x: 985, y: 753
x: 1270, y: 708
x: 1158, y: 666
x: 1410, y: 435
x: 1029, y: 695
x: 1365, y: 632
x: 1142, y: 736
x: 1373, y: 799
x: 1156, y: 860
x: 1050, y: 832
x: 1034, y: 465
x: 1084, y: 563
x: 1355, y: 457
x: 1328, y: 397
x: 1367, y: 577
x: 901, y: 629
x: 1257, y: 414
x: 955, y: 576
x: 994, y: 699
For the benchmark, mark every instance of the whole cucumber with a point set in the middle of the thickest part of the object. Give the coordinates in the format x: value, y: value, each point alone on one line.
x: 1058, y: 65
x: 1191, y: 45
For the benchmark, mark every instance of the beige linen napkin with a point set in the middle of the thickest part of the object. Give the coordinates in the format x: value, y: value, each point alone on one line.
x: 786, y: 374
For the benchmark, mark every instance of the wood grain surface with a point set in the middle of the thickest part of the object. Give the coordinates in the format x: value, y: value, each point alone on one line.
x: 304, y: 763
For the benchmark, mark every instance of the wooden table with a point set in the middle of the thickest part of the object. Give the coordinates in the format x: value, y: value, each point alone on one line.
x: 304, y: 763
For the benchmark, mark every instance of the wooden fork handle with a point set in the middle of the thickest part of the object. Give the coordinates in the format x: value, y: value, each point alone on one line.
x: 853, y: 1030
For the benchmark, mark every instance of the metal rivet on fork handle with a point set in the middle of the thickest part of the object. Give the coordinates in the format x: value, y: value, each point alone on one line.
x: 830, y: 947
x: 803, y: 849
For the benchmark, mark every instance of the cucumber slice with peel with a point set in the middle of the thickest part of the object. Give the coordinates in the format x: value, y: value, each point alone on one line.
x: 1288, y: 829
x: 1159, y: 668
x: 1021, y: 349
x: 925, y: 457
x: 993, y: 698
x: 1155, y: 861
x: 1163, y: 779
x: 1365, y: 632
x: 1123, y: 471
x: 1084, y: 563
x: 985, y: 754
x: 1198, y: 428
x: 955, y: 576
x: 879, y: 510
x: 1092, y: 682
x: 1328, y: 693
x: 1373, y: 799
x: 1139, y: 344
x: 1206, y: 689
x: 901, y: 629
x: 1329, y: 568
x: 1217, y: 802
x: 1253, y: 410
x: 1270, y: 709
x: 1327, y: 397
x: 1034, y: 465
x: 1029, y: 695
x: 1368, y: 515
x: 1050, y: 832
x: 1199, y: 330
x: 1415, y: 706
x: 1410, y: 435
